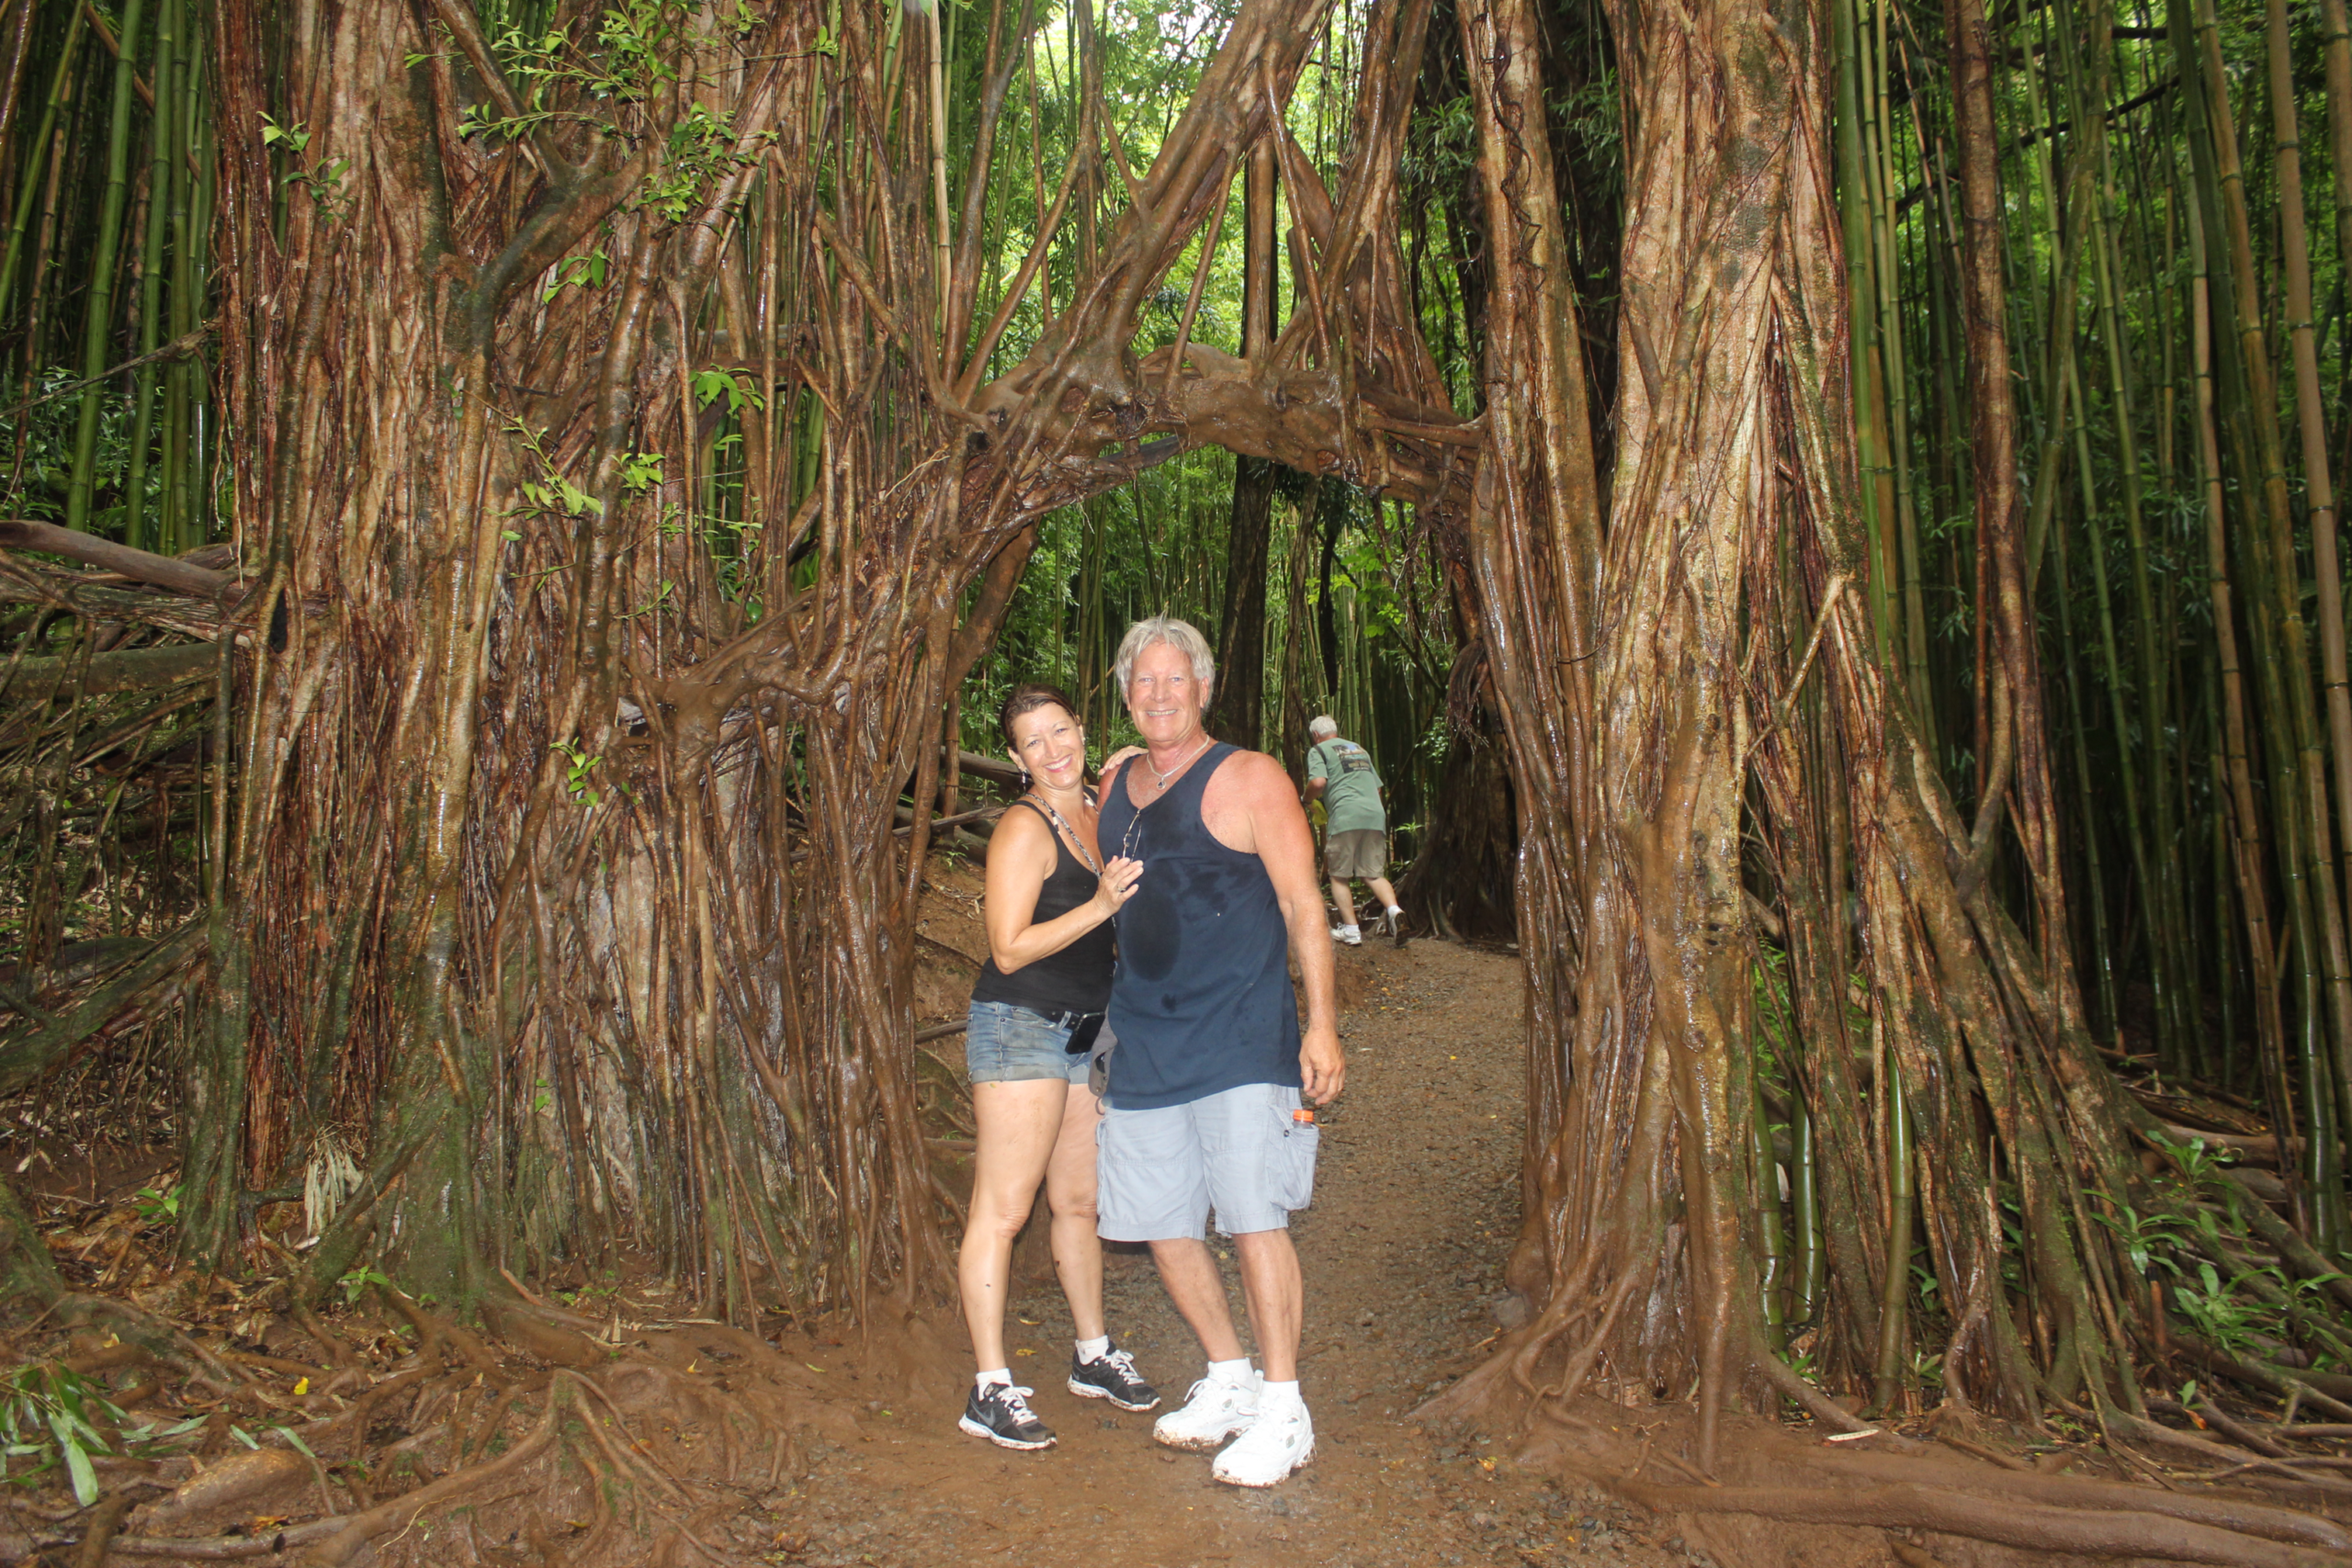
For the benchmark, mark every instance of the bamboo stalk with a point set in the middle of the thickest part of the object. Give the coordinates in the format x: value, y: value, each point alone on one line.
x: 2328, y: 1041
x: 60, y: 92
x: 99, y: 323
x: 2319, y: 486
x: 1871, y: 439
x: 1888, y: 1372
x: 160, y: 188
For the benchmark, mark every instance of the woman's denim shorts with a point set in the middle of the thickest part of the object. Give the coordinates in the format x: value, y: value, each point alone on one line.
x: 1005, y: 1043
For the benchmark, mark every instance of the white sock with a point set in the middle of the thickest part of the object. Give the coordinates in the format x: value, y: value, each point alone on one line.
x: 1003, y: 1375
x: 1397, y: 910
x: 1278, y: 1395
x: 1094, y: 1349
x: 1234, y: 1373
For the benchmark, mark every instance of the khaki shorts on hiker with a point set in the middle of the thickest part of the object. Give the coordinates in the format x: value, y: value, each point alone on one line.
x: 1241, y: 1152
x: 1359, y: 851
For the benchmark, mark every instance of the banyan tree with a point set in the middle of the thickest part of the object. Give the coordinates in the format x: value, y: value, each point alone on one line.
x: 635, y: 420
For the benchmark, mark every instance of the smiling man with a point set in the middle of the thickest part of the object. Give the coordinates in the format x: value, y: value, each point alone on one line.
x: 1204, y: 1106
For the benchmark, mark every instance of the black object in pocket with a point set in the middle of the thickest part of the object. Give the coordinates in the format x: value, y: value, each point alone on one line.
x: 1082, y: 1032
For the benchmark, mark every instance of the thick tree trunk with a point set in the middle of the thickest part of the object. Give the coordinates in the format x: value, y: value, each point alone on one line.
x: 1460, y: 883
x: 1238, y: 708
x: 1238, y: 711
x: 1725, y: 690
x: 508, y: 905
x: 561, y: 885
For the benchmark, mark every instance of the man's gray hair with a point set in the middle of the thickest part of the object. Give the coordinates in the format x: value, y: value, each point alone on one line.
x: 1322, y: 726
x: 1182, y: 635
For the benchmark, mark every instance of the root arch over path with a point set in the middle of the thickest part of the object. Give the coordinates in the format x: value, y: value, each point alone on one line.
x: 555, y: 860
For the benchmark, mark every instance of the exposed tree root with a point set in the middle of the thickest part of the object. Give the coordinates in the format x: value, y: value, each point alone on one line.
x: 105, y: 1519
x: 2240, y: 1462
x: 360, y: 1529
x: 389, y: 1425
x: 2034, y: 1525
x: 2103, y: 1496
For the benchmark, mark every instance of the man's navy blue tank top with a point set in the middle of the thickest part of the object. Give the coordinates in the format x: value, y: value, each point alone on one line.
x: 1201, y: 1001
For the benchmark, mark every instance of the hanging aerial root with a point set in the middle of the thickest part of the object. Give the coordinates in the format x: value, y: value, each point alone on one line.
x: 2033, y: 1525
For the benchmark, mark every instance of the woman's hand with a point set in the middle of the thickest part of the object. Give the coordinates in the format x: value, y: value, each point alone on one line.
x: 1118, y: 757
x: 1117, y: 884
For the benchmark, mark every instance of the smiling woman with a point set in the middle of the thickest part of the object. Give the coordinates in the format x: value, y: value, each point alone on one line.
x: 1037, y: 1009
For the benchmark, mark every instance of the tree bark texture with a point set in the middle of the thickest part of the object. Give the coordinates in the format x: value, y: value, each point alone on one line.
x: 1694, y: 696
x: 560, y: 883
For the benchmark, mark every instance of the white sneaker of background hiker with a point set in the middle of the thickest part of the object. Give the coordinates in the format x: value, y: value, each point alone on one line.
x: 1352, y: 935
x: 1213, y: 1411
x: 1280, y: 1440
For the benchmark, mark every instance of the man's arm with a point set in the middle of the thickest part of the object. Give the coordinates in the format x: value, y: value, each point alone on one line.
x: 1254, y: 788
x: 1318, y: 774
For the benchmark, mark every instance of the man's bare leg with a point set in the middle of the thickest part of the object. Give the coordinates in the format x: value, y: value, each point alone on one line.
x: 1271, y: 1282
x: 1381, y: 890
x: 1190, y: 1277
x: 1345, y: 900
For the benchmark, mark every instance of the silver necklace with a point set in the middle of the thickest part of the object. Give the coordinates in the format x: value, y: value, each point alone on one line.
x: 1163, y: 778
x: 1069, y: 834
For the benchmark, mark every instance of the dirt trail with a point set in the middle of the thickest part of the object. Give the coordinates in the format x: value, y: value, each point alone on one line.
x: 612, y: 1426
x: 1415, y: 1199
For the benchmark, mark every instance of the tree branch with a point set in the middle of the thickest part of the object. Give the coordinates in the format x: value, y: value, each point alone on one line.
x: 181, y: 577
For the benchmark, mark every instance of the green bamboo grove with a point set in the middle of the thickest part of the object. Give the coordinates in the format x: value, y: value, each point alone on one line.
x: 107, y: 142
x: 2176, y: 321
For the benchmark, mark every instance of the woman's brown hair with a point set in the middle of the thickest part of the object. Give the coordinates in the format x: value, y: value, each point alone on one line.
x: 1029, y: 699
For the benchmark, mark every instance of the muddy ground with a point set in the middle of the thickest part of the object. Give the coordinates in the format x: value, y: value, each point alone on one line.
x: 602, y: 1423
x: 1417, y: 1196
x: 829, y: 1444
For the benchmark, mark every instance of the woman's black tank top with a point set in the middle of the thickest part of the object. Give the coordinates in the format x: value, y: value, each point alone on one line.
x: 1076, y: 980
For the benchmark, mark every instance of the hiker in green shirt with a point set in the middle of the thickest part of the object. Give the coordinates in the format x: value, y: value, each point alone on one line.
x: 1356, y: 835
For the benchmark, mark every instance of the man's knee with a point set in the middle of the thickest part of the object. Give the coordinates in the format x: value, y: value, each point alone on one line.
x: 1178, y: 1253
x: 1270, y: 1245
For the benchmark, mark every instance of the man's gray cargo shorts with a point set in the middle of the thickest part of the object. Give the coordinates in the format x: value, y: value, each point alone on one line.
x: 1239, y: 1152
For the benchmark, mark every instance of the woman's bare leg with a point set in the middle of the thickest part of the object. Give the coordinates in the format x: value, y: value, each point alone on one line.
x: 1069, y: 1193
x: 1018, y: 1124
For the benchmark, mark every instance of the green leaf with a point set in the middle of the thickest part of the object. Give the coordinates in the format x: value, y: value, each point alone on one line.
x: 85, y: 1480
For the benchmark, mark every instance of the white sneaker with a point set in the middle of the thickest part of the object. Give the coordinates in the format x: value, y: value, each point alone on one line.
x: 1278, y: 1442
x: 1213, y: 1411
x: 1352, y: 935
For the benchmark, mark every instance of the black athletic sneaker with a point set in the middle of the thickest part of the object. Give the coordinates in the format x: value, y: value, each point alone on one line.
x: 1112, y: 1376
x: 1001, y: 1414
